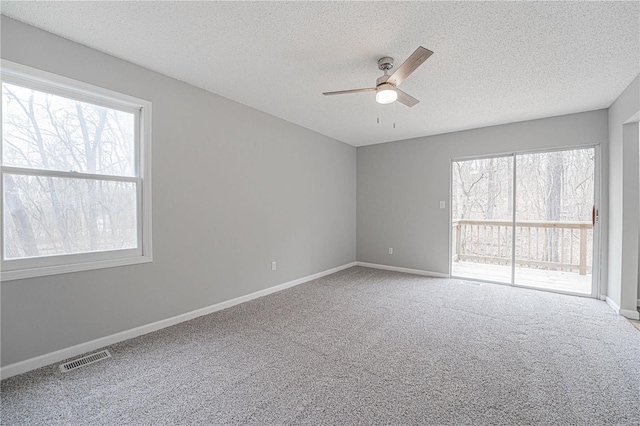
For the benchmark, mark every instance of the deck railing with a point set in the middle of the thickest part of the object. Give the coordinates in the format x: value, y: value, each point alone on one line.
x: 549, y: 245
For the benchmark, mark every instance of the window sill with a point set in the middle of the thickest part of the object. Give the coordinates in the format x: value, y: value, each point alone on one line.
x: 20, y: 274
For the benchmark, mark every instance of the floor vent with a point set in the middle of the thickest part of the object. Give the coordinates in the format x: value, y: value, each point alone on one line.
x: 85, y: 360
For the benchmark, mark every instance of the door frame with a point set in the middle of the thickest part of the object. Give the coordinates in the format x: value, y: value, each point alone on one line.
x: 597, y: 198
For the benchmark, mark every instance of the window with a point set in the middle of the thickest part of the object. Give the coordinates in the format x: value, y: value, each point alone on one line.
x: 75, y: 166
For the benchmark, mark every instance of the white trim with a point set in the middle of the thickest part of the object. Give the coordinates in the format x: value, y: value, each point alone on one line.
x: 613, y: 304
x: 109, y: 98
x: 20, y: 274
x: 450, y: 227
x: 407, y: 270
x: 144, y: 161
x: 514, y: 211
x: 67, y: 175
x: 627, y: 313
x: 14, y: 269
x: 596, y: 250
x: 62, y: 354
x: 527, y: 151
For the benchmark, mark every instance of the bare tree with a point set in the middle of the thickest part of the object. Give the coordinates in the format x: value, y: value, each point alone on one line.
x: 48, y: 132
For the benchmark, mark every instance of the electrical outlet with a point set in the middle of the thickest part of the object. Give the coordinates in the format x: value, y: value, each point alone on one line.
x: 274, y: 266
x: 442, y: 204
x: 390, y: 250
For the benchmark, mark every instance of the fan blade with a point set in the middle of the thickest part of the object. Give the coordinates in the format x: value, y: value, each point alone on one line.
x: 414, y: 61
x: 344, y: 92
x: 406, y: 99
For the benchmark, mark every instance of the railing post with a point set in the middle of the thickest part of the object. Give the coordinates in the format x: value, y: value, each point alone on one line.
x: 458, y: 229
x: 583, y: 250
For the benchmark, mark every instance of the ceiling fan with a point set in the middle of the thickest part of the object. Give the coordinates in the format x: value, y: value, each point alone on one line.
x: 387, y: 85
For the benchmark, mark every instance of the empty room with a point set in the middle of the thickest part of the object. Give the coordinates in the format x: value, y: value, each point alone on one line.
x: 320, y: 213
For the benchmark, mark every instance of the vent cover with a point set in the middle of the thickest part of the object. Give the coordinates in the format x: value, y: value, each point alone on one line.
x: 85, y: 360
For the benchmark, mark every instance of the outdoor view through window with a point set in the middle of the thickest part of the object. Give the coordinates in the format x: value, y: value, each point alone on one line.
x: 69, y: 175
x: 554, y: 202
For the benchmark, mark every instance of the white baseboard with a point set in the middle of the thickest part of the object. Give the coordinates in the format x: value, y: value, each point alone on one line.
x: 62, y: 354
x: 407, y: 270
x: 627, y: 313
x: 613, y: 304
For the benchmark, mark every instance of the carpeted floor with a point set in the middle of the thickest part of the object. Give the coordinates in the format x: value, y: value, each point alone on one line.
x: 362, y: 346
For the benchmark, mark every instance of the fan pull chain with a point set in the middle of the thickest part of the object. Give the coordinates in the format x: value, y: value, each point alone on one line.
x: 394, y: 114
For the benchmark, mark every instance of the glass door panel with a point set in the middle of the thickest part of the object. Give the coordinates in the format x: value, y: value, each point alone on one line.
x: 482, y: 219
x: 554, y: 230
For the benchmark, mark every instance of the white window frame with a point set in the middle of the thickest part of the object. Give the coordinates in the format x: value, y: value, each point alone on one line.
x: 14, y: 269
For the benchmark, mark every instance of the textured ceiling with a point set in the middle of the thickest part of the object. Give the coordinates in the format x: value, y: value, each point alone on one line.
x: 494, y: 63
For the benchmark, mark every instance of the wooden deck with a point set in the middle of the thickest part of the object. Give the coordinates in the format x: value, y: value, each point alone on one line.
x: 571, y: 282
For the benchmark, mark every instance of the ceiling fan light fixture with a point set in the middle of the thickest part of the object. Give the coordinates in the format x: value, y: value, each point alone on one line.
x: 386, y: 85
x: 386, y: 94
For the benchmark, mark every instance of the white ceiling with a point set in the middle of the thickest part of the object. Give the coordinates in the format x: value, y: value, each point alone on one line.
x: 494, y: 63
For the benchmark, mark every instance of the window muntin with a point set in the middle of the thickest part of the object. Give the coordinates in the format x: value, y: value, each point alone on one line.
x: 75, y: 176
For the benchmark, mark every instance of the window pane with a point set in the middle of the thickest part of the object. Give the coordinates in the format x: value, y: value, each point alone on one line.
x: 482, y: 219
x: 46, y: 216
x: 45, y: 131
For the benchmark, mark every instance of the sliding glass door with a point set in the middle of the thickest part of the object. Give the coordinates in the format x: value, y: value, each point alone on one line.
x: 526, y: 219
x: 554, y: 223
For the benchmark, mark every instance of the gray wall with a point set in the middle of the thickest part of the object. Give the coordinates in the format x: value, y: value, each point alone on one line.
x: 400, y: 185
x: 623, y: 198
x: 233, y: 189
